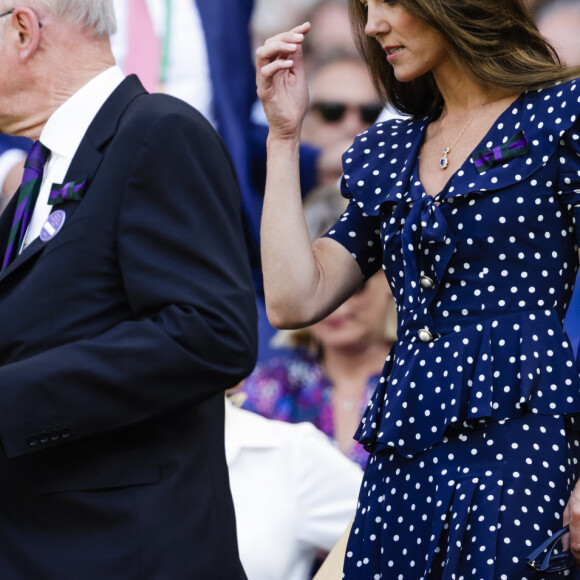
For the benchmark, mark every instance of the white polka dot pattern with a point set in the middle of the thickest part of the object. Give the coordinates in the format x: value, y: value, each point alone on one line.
x: 482, y: 273
x: 470, y: 508
x: 473, y: 457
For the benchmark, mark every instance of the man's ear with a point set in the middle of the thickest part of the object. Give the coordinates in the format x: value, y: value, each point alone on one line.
x: 27, y: 29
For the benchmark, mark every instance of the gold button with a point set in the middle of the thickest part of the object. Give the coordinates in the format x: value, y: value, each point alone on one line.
x: 425, y: 335
x: 427, y: 282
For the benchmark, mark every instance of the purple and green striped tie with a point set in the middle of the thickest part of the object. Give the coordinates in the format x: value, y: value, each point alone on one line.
x: 27, y: 194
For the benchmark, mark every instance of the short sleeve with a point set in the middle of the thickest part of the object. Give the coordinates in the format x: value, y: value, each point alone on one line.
x: 360, y: 235
x: 569, y: 174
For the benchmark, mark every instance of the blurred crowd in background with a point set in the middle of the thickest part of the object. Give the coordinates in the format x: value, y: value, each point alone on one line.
x: 323, y: 375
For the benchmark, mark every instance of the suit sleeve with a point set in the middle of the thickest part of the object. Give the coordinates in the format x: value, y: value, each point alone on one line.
x: 185, y: 273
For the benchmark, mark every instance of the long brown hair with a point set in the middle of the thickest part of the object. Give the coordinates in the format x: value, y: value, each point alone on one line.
x: 495, y: 41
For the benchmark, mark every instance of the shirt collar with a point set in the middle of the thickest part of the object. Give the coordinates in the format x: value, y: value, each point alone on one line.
x: 67, y: 126
x: 247, y: 430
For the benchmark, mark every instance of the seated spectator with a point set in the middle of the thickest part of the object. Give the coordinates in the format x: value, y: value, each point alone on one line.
x: 331, y: 31
x: 331, y: 369
x: 339, y: 110
x: 294, y: 494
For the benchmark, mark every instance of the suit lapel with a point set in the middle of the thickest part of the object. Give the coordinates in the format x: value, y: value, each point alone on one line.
x: 91, y: 150
x: 84, y: 164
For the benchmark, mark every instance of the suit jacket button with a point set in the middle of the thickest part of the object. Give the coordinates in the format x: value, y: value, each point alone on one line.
x: 65, y: 433
x: 32, y: 441
x: 54, y: 435
x: 43, y: 437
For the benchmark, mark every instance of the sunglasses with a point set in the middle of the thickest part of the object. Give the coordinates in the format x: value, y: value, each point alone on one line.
x: 334, y: 112
x: 550, y: 557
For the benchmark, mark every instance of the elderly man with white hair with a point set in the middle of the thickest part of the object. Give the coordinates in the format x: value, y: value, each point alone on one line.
x: 127, y: 309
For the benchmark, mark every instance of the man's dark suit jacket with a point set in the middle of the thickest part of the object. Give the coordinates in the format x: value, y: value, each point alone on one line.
x: 118, y: 338
x: 233, y: 79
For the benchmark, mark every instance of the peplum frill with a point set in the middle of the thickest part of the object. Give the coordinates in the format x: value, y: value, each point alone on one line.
x: 498, y: 369
x: 491, y: 358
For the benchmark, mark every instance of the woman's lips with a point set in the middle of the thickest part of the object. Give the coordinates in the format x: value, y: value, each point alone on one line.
x: 393, y: 52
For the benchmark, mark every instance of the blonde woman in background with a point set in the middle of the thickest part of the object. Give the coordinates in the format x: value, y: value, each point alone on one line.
x: 471, y: 206
x: 330, y: 370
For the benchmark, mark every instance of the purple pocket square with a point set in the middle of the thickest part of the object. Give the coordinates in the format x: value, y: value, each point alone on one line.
x: 71, y: 191
x: 517, y: 146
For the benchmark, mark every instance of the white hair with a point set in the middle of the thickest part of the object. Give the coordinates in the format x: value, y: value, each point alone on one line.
x: 95, y: 15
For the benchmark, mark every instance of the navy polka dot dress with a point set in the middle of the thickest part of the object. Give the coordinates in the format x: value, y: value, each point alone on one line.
x: 474, y: 451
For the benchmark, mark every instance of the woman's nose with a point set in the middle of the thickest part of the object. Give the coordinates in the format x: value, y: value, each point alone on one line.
x: 376, y: 22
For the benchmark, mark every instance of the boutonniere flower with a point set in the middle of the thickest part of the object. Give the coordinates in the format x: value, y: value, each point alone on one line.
x: 517, y: 146
x: 71, y: 191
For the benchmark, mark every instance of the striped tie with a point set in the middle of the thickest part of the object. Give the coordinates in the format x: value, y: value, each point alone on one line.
x: 27, y: 194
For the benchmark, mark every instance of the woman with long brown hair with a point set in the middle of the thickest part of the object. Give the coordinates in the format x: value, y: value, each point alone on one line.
x: 470, y: 207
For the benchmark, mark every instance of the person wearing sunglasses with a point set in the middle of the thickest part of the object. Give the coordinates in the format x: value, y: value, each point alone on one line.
x: 471, y: 208
x: 335, y: 112
x: 339, y: 110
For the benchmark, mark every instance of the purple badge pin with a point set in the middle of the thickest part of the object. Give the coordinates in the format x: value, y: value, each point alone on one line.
x: 52, y: 225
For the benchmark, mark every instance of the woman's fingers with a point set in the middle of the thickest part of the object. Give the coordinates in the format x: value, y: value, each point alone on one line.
x: 281, y: 81
x: 268, y: 73
x: 275, y: 49
x: 282, y: 45
x: 277, y: 55
x: 296, y: 34
x: 270, y: 69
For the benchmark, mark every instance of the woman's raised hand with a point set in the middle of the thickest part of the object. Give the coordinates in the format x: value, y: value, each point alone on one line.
x: 281, y: 81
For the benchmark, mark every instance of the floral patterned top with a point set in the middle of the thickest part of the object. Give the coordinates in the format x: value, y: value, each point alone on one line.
x: 294, y: 388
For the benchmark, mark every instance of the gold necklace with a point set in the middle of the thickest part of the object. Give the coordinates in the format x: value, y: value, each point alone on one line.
x: 444, y: 162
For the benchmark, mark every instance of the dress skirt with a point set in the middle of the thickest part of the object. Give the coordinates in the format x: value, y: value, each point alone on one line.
x: 471, y: 507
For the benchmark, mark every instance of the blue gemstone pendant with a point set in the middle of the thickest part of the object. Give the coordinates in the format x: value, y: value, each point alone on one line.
x: 444, y: 161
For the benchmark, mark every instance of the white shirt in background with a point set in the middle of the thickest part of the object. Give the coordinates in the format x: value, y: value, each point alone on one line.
x: 294, y: 492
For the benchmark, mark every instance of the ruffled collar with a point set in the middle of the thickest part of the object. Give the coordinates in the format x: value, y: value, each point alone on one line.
x: 379, y: 165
